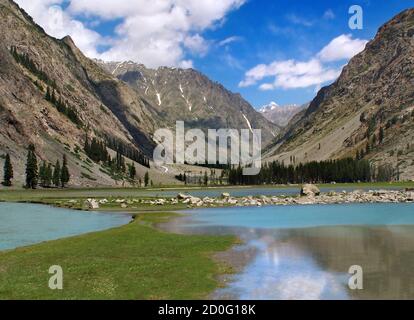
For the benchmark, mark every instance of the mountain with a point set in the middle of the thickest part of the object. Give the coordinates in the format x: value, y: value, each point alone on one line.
x: 54, y: 97
x: 88, y: 101
x: 369, y: 110
x: 281, y: 115
x: 188, y: 95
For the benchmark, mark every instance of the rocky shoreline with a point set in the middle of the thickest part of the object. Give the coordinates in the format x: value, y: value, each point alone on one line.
x: 309, y: 195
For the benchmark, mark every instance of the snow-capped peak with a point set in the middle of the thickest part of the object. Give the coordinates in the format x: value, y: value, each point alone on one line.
x: 270, y: 107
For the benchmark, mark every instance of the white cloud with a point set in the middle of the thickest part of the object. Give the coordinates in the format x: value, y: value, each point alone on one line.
x: 196, y: 44
x: 329, y: 15
x: 232, y: 61
x: 229, y: 40
x: 293, y: 18
x: 342, y: 48
x: 59, y: 24
x: 153, y: 32
x: 267, y: 87
x: 290, y: 74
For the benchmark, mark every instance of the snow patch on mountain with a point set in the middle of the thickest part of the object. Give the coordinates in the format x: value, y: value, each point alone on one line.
x: 281, y: 115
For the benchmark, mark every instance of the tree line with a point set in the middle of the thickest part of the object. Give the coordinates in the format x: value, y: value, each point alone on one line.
x: 97, y: 151
x: 62, y: 106
x: 127, y: 151
x: 24, y: 60
x: 51, y: 96
x: 341, y: 171
x: 46, y: 175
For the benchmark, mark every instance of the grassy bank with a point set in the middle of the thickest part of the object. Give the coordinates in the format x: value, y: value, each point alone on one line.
x: 131, y: 262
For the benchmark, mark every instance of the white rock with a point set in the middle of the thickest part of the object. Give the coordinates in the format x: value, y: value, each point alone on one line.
x: 92, y: 204
x: 310, y: 190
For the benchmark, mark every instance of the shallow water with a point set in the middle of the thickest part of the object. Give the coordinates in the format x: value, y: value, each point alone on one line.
x: 305, y: 252
x: 26, y: 224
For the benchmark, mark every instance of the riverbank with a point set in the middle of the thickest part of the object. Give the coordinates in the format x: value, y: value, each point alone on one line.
x: 18, y: 195
x: 132, y: 200
x: 135, y: 262
x: 184, y: 200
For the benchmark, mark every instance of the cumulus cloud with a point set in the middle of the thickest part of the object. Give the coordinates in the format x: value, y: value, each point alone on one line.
x: 341, y: 48
x: 153, y: 32
x: 58, y: 23
x: 291, y: 74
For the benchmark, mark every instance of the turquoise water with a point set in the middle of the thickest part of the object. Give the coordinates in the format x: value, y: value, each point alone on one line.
x: 305, y: 252
x: 26, y: 224
x: 290, y: 217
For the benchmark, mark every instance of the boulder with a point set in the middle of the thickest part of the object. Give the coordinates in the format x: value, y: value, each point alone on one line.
x: 310, y: 190
x: 92, y: 204
x: 182, y: 196
x: 195, y: 200
x: 160, y: 202
x: 233, y: 201
x: 225, y: 195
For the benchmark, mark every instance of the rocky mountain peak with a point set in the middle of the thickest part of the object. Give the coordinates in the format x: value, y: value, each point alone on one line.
x: 368, y: 110
x: 190, y: 96
x: 280, y: 115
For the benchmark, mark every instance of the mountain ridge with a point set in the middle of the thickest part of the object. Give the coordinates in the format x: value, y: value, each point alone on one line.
x: 190, y: 96
x: 281, y: 115
x: 90, y: 102
x: 371, y: 101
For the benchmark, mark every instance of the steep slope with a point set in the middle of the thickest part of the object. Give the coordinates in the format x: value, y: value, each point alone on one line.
x: 281, y: 115
x: 187, y: 95
x: 369, y: 109
x: 99, y: 104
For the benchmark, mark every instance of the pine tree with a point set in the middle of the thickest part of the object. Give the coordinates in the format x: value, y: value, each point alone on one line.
x: 42, y: 174
x: 53, y: 97
x: 49, y: 175
x: 31, y: 169
x: 8, y: 172
x: 205, y: 178
x: 47, y: 96
x: 146, y: 179
x: 64, y: 174
x: 56, y: 174
x: 381, y: 135
x: 132, y: 171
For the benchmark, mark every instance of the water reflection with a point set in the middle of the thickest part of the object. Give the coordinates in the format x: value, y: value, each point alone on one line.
x: 313, y: 263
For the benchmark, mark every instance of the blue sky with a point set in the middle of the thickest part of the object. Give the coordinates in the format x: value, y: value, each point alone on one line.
x: 280, y: 50
x: 268, y: 34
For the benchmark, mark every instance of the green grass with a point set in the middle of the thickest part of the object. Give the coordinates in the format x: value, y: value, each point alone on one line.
x: 131, y: 262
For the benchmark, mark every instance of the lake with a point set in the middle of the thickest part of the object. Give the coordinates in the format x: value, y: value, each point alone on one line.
x: 305, y: 252
x: 27, y: 224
